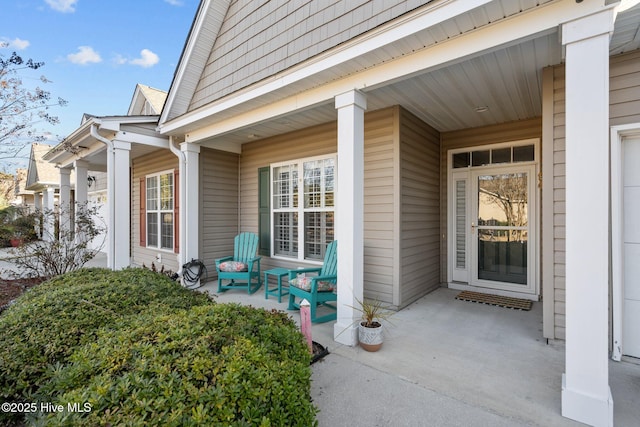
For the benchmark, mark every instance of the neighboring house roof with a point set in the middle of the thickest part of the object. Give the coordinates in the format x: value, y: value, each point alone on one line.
x: 146, y: 101
x: 232, y: 45
x: 141, y: 120
x: 21, y: 182
x: 41, y: 173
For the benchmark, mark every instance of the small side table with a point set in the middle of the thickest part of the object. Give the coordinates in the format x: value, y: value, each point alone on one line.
x: 279, y: 273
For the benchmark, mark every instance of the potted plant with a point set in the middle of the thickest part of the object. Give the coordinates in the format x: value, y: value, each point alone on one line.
x: 11, y: 235
x: 370, y: 333
x: 16, y: 239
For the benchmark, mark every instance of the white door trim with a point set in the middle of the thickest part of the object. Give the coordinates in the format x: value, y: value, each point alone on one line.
x: 532, y: 227
x: 535, y: 237
x: 618, y: 133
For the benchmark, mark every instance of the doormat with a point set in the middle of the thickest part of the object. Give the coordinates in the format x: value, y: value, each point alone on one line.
x: 500, y: 301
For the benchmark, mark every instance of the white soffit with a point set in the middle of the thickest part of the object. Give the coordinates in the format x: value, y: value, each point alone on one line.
x: 508, y: 77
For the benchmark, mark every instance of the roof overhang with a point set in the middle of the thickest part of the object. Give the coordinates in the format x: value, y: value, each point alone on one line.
x: 202, y: 35
x: 81, y: 145
x: 380, y: 58
x: 41, y: 186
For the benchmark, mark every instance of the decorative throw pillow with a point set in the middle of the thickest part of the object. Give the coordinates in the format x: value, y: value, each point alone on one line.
x: 304, y: 283
x: 233, y: 266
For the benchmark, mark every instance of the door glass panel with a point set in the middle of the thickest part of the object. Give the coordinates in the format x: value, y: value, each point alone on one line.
x: 503, y: 227
x: 502, y: 256
x: 526, y: 153
x: 501, y: 155
x: 479, y: 158
x: 502, y: 200
x: 461, y: 160
x: 461, y: 224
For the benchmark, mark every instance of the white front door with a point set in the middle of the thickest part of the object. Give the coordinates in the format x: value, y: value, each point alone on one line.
x: 493, y: 217
x: 631, y: 246
x: 501, y: 228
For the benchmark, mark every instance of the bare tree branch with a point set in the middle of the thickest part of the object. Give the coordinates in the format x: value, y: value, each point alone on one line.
x: 22, y: 109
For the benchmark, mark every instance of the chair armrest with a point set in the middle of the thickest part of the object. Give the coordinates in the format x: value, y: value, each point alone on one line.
x: 328, y: 278
x: 251, y: 261
x: 294, y: 273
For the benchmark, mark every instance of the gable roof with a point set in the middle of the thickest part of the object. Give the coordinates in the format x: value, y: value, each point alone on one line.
x: 429, y: 59
x: 20, y: 182
x: 41, y: 173
x: 146, y: 101
x: 193, y: 59
x: 256, y: 40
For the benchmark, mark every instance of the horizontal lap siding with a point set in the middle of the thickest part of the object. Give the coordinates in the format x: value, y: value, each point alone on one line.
x: 624, y: 86
x: 379, y: 206
x: 514, y: 131
x: 419, y: 207
x: 219, y: 205
x: 158, y: 161
x: 310, y: 142
x: 379, y: 191
x: 559, y: 202
x: 624, y: 108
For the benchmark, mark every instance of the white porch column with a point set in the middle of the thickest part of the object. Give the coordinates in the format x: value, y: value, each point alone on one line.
x: 37, y: 205
x: 349, y: 230
x: 65, y: 201
x: 48, y: 229
x: 119, y: 199
x: 81, y: 168
x: 189, y: 182
x: 585, y: 385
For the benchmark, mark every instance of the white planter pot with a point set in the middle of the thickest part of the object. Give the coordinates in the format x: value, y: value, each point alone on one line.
x: 370, y: 338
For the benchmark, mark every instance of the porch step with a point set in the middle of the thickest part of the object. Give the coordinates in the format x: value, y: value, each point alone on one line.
x: 497, y: 300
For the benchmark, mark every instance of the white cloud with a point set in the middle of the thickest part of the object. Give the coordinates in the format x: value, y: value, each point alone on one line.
x: 175, y: 2
x: 16, y: 44
x: 119, y: 59
x: 147, y: 59
x: 64, y: 6
x: 85, y: 55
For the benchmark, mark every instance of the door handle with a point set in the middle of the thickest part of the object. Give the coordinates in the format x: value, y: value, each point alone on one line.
x: 473, y: 228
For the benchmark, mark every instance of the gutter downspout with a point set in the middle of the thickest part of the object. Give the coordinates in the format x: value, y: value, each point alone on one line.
x: 182, y: 160
x: 111, y: 255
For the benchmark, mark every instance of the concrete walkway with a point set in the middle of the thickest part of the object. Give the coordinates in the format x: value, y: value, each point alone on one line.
x: 444, y: 363
x: 449, y: 363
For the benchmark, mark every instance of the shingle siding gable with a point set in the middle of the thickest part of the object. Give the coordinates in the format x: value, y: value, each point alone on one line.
x: 261, y: 38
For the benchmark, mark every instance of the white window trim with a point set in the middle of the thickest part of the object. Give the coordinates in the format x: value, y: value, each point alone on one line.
x: 300, y: 208
x: 160, y: 211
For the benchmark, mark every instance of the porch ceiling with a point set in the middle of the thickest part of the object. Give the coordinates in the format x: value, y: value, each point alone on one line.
x: 506, y: 80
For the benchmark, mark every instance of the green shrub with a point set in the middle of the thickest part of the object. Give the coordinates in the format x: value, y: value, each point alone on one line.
x: 141, y: 350
x: 222, y: 364
x: 48, y: 322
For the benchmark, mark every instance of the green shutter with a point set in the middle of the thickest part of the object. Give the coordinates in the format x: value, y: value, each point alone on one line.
x: 264, y: 214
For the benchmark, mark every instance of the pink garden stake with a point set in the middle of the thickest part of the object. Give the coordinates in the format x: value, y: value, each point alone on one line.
x: 305, y: 322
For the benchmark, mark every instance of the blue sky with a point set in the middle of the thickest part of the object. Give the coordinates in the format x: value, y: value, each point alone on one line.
x: 96, y: 51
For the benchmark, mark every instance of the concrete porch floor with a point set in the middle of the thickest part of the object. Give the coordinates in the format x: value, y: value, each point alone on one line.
x: 449, y: 363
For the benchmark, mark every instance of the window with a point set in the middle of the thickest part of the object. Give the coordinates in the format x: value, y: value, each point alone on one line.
x: 303, y: 194
x: 160, y: 210
x: 515, y: 154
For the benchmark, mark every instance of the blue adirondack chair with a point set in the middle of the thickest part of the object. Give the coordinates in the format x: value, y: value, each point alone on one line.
x: 318, y: 289
x: 243, y: 268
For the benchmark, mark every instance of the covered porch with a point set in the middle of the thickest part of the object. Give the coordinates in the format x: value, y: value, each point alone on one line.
x: 449, y: 362
x: 476, y: 76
